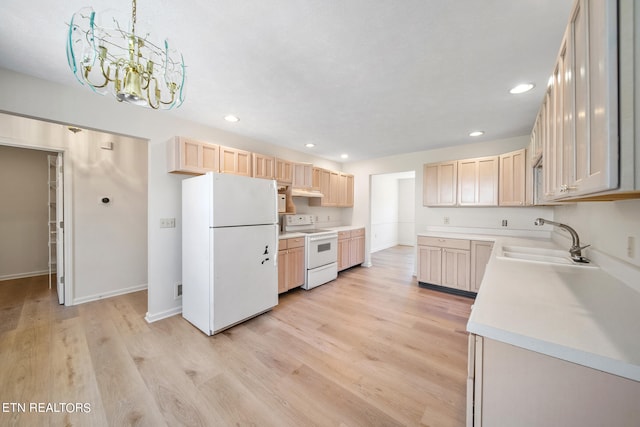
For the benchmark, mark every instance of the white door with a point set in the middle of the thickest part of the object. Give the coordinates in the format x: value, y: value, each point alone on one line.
x: 60, y: 229
x: 245, y: 273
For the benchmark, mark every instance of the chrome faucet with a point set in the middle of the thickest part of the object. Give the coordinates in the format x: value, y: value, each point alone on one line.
x: 576, y: 249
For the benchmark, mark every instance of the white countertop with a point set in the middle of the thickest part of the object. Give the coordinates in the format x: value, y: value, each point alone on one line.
x: 582, y: 315
x: 346, y: 228
x: 291, y: 235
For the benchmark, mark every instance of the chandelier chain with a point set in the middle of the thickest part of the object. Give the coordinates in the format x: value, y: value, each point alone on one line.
x: 133, y: 17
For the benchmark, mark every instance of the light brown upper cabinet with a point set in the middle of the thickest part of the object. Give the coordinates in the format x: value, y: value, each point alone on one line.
x: 284, y: 171
x: 263, y: 166
x: 577, y: 125
x: 440, y: 184
x: 512, y: 186
x: 322, y: 181
x: 235, y: 161
x: 186, y: 155
x: 302, y: 175
x: 336, y: 188
x: 345, y: 190
x: 478, y: 181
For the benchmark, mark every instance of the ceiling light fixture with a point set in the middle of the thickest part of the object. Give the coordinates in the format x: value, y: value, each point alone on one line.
x: 113, y: 59
x: 476, y: 133
x: 522, y: 88
x: 344, y: 156
x: 231, y: 118
x: 309, y: 145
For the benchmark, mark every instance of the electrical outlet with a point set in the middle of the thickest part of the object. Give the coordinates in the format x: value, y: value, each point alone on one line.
x: 504, y: 223
x: 167, y: 223
x: 445, y: 220
x: 177, y: 290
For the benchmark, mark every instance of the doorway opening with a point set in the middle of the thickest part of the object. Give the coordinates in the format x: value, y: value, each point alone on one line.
x: 32, y: 211
x: 392, y: 210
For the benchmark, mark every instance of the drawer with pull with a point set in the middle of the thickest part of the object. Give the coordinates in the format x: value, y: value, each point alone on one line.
x: 444, y: 242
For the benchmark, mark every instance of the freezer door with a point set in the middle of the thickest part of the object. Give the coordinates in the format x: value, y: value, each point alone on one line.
x: 240, y: 200
x: 245, y: 273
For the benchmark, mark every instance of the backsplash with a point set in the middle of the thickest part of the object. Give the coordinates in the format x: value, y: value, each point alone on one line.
x: 607, y: 226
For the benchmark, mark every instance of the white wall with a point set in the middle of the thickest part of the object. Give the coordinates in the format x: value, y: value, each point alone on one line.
x: 111, y: 239
x: 606, y: 226
x: 23, y: 212
x: 485, y: 218
x: 76, y: 105
x: 325, y: 216
x: 406, y: 211
x: 109, y: 247
x: 384, y: 212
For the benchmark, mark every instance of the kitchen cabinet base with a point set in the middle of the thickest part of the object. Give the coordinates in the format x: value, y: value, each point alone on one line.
x: 448, y: 290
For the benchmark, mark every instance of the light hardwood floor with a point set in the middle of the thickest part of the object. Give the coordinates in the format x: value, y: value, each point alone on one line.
x: 369, y: 349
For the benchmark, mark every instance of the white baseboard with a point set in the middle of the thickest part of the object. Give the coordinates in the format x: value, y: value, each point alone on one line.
x: 150, y: 318
x: 109, y: 294
x: 23, y: 275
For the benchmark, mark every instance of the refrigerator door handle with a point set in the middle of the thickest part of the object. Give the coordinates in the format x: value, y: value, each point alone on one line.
x: 275, y: 254
x: 274, y: 187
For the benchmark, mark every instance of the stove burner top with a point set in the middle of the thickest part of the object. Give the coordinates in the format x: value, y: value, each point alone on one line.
x: 314, y: 231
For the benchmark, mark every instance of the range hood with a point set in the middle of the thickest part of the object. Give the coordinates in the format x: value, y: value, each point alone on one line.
x: 299, y: 192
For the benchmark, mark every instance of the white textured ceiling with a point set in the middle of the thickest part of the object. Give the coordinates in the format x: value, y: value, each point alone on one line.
x: 369, y: 78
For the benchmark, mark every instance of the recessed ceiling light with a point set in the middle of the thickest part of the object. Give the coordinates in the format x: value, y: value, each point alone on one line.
x: 522, y: 88
x: 231, y: 118
x: 344, y: 156
x: 309, y: 145
x: 476, y: 133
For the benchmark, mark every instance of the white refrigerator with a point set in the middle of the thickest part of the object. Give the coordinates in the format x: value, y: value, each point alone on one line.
x: 229, y: 249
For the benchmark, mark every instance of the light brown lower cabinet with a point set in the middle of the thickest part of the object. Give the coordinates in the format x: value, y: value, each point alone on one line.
x: 480, y: 254
x: 350, y: 248
x: 452, y: 263
x: 290, y: 263
x: 444, y: 262
x: 511, y: 386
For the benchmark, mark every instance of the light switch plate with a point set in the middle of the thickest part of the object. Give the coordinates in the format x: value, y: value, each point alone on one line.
x: 167, y: 223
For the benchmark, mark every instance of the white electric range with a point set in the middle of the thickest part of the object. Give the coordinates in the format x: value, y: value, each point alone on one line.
x: 320, y: 248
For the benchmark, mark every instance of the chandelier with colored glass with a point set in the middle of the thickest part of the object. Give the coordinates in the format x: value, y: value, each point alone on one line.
x: 111, y: 59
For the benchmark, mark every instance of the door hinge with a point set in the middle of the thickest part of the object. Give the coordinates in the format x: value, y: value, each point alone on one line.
x: 62, y: 280
x: 61, y: 224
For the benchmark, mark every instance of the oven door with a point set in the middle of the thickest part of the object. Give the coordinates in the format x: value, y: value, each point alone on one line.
x: 321, y: 250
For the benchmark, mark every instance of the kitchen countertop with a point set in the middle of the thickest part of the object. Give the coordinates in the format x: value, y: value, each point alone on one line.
x: 292, y: 235
x: 581, y: 315
x: 289, y: 235
x: 346, y: 228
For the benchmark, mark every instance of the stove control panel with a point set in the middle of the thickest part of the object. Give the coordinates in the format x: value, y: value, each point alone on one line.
x: 302, y: 219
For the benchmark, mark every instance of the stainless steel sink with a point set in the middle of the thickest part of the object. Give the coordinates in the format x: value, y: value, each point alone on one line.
x: 540, y: 255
